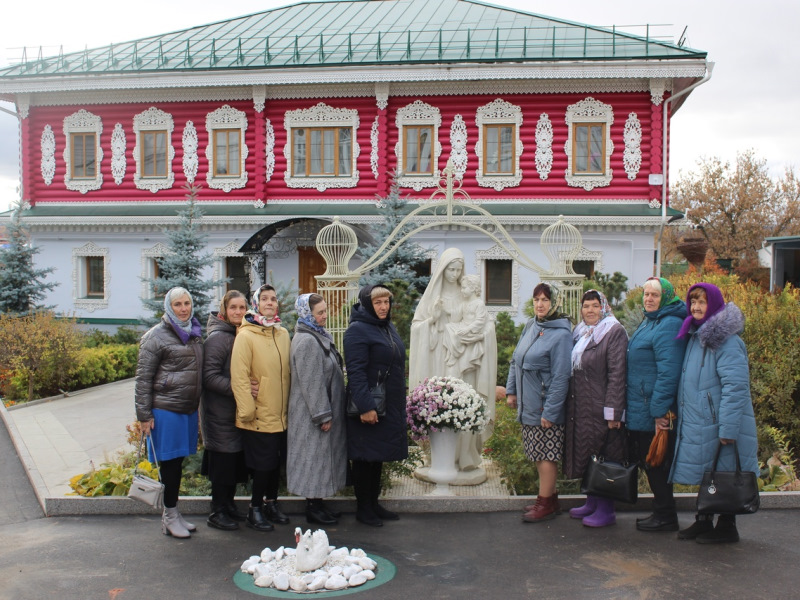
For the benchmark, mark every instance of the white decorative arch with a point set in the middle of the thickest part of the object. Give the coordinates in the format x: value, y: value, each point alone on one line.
x: 81, y: 302
x: 499, y: 112
x: 48, y: 165
x: 498, y: 253
x: 226, y: 117
x: 419, y: 113
x: 589, y: 110
x: 632, y: 156
x: 83, y: 121
x: 321, y: 115
x: 544, y: 146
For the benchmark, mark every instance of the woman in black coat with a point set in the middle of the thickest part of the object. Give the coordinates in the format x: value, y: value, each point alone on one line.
x: 223, y: 459
x: 374, y: 352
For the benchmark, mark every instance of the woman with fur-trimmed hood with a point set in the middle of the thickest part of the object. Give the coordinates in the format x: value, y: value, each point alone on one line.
x: 714, y: 404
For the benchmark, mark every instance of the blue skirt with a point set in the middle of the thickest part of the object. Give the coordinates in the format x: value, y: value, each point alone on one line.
x: 175, y: 434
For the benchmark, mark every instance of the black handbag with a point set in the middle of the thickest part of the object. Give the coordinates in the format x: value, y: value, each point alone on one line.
x: 378, y: 394
x: 728, y: 492
x: 611, y: 479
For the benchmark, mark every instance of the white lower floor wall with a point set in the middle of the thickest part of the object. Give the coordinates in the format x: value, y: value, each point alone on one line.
x: 101, y: 273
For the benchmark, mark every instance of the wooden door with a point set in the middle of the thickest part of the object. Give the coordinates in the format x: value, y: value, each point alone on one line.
x: 311, y: 264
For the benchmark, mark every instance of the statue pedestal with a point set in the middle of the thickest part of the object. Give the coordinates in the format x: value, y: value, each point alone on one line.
x: 472, y: 477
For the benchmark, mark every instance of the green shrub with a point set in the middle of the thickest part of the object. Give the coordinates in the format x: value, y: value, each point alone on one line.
x: 505, y: 450
x: 507, y: 334
x: 103, y: 364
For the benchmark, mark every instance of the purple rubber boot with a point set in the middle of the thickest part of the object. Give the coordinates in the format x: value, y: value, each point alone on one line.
x: 587, y: 509
x: 603, y: 516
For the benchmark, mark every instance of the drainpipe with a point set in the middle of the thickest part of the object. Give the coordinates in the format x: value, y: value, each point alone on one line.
x: 664, y: 220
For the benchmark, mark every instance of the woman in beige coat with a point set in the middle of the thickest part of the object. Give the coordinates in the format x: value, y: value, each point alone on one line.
x: 261, y: 354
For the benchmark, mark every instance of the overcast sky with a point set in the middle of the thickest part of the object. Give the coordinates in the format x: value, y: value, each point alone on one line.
x: 748, y: 103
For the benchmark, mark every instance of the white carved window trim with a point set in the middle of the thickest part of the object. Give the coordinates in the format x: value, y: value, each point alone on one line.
x: 83, y: 121
x: 544, y: 146
x: 79, y: 291
x: 321, y: 115
x: 632, y: 156
x: 269, y: 149
x: 420, y: 114
x: 48, y: 165
x: 153, y: 119
x: 497, y: 253
x: 149, y: 257
x: 458, y: 146
x: 499, y: 112
x: 589, y: 111
x: 190, y: 145
x: 226, y: 117
x: 595, y: 256
x: 220, y: 271
x: 118, y: 147
x: 373, y: 153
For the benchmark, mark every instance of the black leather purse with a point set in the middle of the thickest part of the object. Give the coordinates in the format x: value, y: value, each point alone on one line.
x: 728, y: 492
x: 609, y: 478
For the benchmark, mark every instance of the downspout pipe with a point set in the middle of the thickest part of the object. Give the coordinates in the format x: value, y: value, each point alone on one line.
x: 664, y: 220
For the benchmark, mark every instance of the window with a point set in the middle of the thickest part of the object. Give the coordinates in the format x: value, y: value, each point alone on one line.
x: 238, y: 270
x: 322, y: 152
x: 154, y: 152
x: 90, y: 277
x: 498, y: 281
x: 418, y: 148
x: 226, y: 151
x: 588, y: 146
x: 83, y: 153
x: 499, y: 147
x: 151, y: 269
x: 584, y: 267
x: 321, y: 149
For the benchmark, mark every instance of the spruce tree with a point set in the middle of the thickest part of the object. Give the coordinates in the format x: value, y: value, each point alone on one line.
x: 22, y: 285
x: 403, y: 263
x: 184, y: 262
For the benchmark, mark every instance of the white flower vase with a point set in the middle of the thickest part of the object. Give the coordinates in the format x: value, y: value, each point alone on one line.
x: 443, y: 460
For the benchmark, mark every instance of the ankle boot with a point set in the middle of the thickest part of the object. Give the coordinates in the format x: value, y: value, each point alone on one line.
x: 219, y: 519
x: 702, y: 524
x: 171, y: 524
x: 232, y: 511
x: 603, y: 516
x: 543, y: 510
x: 366, y: 514
x: 332, y: 513
x: 315, y: 513
x: 584, y: 511
x: 384, y: 513
x: 273, y: 513
x: 185, y: 523
x: 724, y: 533
x: 256, y: 520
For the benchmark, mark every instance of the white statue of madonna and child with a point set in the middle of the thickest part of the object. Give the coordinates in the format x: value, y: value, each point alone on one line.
x: 453, y: 335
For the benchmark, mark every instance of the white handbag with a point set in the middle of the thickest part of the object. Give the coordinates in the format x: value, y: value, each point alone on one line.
x: 143, y: 488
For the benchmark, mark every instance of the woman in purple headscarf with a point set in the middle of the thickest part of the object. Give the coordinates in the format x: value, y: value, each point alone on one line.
x: 714, y: 404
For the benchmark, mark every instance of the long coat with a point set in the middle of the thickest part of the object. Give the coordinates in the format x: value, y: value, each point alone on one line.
x: 218, y: 406
x: 596, y: 396
x: 262, y: 354
x: 654, y: 366
x: 371, y: 346
x: 714, y: 400
x: 317, y: 460
x: 539, y: 371
x: 169, y: 374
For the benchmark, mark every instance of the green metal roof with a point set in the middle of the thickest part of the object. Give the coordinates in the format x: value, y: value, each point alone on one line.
x: 358, y: 32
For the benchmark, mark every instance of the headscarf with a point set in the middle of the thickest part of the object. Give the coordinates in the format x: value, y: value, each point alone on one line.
x: 304, y: 315
x: 583, y: 333
x: 433, y: 291
x: 365, y: 299
x: 184, y: 329
x: 667, y: 292
x: 256, y: 318
x: 555, y: 304
x: 715, y: 304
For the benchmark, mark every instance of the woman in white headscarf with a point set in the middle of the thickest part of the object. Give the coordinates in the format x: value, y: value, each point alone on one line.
x: 440, y: 305
x: 169, y: 382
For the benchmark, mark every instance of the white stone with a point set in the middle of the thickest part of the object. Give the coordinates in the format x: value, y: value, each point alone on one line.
x: 308, y: 578
x: 266, y: 555
x: 261, y: 569
x: 332, y: 548
x: 318, y: 583
x: 368, y: 574
x: 279, y: 553
x: 289, y: 551
x: 367, y: 563
x: 357, y: 579
x: 335, y: 570
x: 264, y: 581
x: 358, y: 552
x: 339, y: 552
x: 250, y: 563
x: 281, y: 581
x: 297, y: 584
x: 336, y: 582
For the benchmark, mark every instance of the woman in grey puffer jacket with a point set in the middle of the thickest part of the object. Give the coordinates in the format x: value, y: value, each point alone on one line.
x: 169, y: 381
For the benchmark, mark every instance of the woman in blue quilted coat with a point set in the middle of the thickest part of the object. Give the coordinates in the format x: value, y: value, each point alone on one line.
x: 714, y: 404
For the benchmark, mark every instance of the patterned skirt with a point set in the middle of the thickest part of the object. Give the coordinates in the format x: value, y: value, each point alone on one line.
x: 543, y: 443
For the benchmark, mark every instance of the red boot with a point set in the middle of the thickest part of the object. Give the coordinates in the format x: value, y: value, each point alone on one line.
x: 543, y: 510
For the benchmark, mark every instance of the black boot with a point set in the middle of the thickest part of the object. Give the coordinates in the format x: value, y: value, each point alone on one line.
x: 232, y: 511
x: 273, y: 513
x: 257, y: 521
x: 315, y: 513
x: 381, y: 512
x: 363, y: 488
x: 702, y: 524
x: 335, y: 514
x: 724, y: 533
x: 220, y: 519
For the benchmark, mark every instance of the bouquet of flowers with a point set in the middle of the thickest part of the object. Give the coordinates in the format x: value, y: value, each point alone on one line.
x: 444, y: 402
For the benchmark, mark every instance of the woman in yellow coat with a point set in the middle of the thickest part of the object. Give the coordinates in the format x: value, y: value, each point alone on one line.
x: 261, y: 355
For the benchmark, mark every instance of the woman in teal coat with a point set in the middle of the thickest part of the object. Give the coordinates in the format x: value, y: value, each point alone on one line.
x: 714, y: 404
x: 654, y: 366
